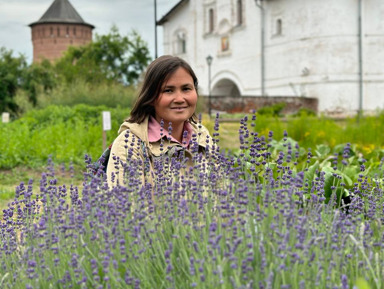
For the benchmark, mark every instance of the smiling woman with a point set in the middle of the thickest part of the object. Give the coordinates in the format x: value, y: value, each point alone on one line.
x: 176, y: 102
x: 162, y: 124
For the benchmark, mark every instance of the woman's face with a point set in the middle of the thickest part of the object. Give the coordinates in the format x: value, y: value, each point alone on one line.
x: 177, y: 99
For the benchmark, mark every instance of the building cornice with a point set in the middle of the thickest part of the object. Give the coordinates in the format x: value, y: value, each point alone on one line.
x: 170, y: 13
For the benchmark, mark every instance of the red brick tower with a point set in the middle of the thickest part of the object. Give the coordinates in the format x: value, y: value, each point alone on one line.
x: 60, y: 27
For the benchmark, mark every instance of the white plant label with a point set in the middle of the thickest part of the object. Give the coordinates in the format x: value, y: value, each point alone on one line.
x: 106, y: 120
x: 5, y: 117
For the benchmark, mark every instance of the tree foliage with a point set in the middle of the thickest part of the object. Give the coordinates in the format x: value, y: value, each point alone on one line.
x: 16, y: 74
x: 109, y: 59
x: 39, y: 76
x: 112, y: 57
x: 12, y: 71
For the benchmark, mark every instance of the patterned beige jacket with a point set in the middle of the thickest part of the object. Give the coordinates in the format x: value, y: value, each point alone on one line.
x: 132, y: 146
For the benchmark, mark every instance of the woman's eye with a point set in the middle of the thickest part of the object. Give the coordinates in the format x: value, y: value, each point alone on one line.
x: 167, y: 90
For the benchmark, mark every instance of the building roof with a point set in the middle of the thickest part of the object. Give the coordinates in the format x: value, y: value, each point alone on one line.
x: 171, y: 12
x: 61, y: 11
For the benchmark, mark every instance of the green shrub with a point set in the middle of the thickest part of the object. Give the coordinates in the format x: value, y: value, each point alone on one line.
x: 272, y: 110
x: 304, y: 112
x: 309, y: 131
x: 80, y: 92
x: 66, y: 133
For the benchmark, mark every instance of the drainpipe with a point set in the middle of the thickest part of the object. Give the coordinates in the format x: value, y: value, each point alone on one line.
x: 360, y: 57
x: 262, y: 27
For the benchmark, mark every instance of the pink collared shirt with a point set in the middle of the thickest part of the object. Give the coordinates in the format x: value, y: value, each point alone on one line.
x: 155, y: 130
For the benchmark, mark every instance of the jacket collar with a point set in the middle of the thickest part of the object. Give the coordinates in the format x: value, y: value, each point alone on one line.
x: 200, y: 133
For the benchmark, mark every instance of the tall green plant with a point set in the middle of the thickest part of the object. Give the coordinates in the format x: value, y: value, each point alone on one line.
x: 65, y: 133
x: 93, y: 94
x: 311, y: 131
x: 12, y: 72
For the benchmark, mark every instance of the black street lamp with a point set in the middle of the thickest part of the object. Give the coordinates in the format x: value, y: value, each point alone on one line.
x: 209, y: 62
x: 155, y: 4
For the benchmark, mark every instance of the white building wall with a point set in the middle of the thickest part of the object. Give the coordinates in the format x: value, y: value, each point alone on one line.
x: 240, y: 64
x: 373, y: 49
x: 316, y: 54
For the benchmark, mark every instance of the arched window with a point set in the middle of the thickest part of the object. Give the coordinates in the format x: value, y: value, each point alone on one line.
x: 239, y: 10
x: 74, y: 31
x: 58, y: 31
x: 51, y: 28
x: 279, y: 27
x: 181, y: 43
x: 211, y: 20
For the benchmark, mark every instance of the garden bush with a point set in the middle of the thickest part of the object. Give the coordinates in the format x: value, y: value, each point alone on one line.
x: 272, y: 110
x: 367, y: 133
x: 66, y: 133
x: 92, y: 94
x: 271, y: 216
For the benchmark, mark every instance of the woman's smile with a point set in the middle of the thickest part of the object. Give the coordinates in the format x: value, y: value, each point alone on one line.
x: 181, y: 108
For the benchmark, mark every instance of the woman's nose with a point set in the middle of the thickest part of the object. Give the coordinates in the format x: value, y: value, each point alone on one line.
x: 179, y: 97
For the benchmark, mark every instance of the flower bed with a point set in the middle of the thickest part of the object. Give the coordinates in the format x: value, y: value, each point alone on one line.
x: 261, y: 218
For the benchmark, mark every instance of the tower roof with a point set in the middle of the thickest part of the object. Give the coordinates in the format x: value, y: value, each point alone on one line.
x: 61, y: 11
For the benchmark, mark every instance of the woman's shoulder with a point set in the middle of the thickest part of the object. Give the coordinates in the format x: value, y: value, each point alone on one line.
x: 199, y: 128
x: 204, y: 138
x: 140, y: 130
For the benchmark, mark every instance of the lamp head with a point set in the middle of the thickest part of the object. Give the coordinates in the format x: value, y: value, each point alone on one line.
x: 209, y: 59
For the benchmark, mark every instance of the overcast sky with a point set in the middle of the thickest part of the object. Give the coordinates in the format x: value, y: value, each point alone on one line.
x: 16, y: 15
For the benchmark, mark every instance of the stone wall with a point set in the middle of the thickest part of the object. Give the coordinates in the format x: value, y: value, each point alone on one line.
x: 249, y: 103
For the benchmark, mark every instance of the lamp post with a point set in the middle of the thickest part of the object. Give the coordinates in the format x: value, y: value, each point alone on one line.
x: 209, y: 62
x: 155, y: 4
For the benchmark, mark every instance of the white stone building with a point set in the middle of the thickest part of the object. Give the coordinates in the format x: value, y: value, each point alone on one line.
x: 305, y: 48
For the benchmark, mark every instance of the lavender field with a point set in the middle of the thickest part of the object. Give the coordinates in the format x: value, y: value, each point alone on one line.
x: 269, y: 215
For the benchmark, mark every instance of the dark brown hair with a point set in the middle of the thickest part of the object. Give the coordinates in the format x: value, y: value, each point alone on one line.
x: 157, y: 74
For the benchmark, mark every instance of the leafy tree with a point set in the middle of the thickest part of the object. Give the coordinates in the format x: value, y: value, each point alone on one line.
x: 109, y: 59
x: 112, y: 56
x: 39, y: 76
x: 16, y: 74
x: 12, y: 71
